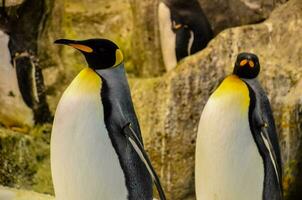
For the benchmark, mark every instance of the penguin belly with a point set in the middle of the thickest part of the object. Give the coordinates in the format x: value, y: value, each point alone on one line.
x: 84, y: 162
x: 228, y: 163
x: 167, y: 37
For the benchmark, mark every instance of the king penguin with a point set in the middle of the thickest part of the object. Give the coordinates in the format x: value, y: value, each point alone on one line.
x: 96, y: 146
x: 184, y: 30
x: 237, y: 151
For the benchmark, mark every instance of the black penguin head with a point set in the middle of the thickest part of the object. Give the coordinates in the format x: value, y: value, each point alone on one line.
x: 247, y: 66
x: 99, y: 53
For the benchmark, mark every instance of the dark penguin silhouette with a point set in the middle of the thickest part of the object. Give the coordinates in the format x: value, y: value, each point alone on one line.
x: 23, y: 30
x: 184, y: 30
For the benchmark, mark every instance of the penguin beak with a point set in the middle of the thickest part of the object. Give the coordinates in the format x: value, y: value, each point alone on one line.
x: 65, y: 41
x: 75, y: 44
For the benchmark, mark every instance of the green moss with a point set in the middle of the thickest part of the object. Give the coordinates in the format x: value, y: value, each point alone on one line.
x: 18, y: 162
x: 289, y: 177
x: 24, y: 159
x: 42, y: 181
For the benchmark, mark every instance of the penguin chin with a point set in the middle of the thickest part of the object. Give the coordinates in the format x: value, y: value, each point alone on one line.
x: 103, y: 68
x: 98, y: 64
x: 247, y: 73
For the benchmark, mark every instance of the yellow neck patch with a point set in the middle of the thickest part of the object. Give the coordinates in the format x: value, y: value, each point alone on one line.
x: 87, y: 81
x: 119, y: 57
x: 235, y: 87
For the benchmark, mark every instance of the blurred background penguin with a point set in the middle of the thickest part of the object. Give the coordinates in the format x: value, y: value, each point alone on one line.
x: 184, y: 30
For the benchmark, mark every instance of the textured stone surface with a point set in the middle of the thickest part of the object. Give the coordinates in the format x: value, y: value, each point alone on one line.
x: 11, y: 2
x: 223, y: 14
x: 291, y: 125
x: 146, y: 47
x: 24, y: 159
x: 169, y: 107
x: 42, y: 181
x: 17, y: 160
x: 14, y: 194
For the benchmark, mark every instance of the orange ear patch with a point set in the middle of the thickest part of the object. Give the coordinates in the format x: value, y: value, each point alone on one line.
x: 251, y: 63
x: 243, y: 62
x: 82, y: 47
x: 176, y: 26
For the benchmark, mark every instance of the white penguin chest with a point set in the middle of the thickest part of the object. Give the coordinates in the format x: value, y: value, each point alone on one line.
x: 83, y: 160
x: 228, y: 163
x: 167, y: 37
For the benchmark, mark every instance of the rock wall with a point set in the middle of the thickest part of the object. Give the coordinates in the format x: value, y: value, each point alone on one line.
x: 146, y: 47
x: 229, y: 13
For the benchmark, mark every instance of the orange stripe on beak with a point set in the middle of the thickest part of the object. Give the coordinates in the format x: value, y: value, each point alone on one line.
x: 82, y: 47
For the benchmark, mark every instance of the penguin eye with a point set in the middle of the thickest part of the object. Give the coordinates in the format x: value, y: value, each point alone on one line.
x: 177, y: 26
x: 251, y: 63
x: 101, y: 50
x: 243, y: 62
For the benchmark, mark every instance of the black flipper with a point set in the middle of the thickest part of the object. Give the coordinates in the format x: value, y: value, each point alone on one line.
x: 264, y: 130
x: 138, y: 147
x: 26, y: 80
x: 266, y: 139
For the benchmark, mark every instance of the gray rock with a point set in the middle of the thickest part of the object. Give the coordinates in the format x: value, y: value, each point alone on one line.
x: 224, y: 14
x: 146, y: 49
x: 291, y: 126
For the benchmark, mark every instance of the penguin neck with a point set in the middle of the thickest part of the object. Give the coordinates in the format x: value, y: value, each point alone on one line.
x: 116, y: 95
x: 118, y: 112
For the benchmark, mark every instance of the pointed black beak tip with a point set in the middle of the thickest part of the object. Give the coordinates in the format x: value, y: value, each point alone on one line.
x: 63, y: 41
